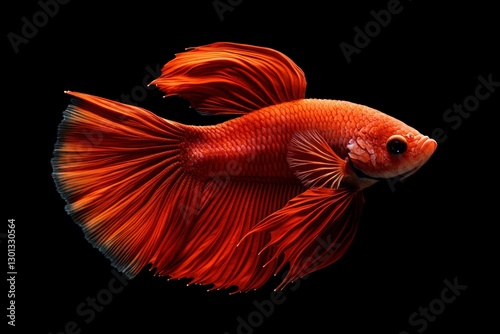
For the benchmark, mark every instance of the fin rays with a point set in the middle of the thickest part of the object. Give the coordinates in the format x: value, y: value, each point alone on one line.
x: 213, y: 254
x: 314, y: 162
x: 316, y: 214
x: 116, y: 165
x: 231, y: 78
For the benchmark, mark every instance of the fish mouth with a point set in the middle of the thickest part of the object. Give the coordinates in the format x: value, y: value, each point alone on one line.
x: 426, y: 146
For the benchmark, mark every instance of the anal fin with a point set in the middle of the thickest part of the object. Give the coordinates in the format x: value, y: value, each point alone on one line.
x: 214, y: 226
x: 300, y: 231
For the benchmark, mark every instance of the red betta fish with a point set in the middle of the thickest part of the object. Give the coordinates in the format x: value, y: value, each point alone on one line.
x: 231, y: 204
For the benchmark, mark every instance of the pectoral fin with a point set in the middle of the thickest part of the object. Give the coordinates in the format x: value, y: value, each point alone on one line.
x: 314, y: 162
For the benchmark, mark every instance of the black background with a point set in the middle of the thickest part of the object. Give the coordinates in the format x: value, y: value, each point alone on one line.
x: 435, y: 226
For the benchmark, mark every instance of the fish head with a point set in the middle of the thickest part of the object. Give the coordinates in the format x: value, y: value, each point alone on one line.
x: 385, y: 147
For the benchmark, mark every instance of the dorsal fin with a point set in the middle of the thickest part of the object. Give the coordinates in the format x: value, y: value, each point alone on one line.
x: 232, y: 78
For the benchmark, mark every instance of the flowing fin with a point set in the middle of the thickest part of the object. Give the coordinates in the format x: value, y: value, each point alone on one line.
x: 314, y: 162
x: 312, y: 231
x: 118, y: 168
x: 231, y: 78
x: 216, y: 223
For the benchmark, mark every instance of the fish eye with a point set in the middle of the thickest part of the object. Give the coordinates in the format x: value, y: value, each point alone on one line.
x: 396, y: 145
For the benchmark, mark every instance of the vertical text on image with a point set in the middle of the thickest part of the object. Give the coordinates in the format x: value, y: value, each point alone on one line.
x: 11, y: 271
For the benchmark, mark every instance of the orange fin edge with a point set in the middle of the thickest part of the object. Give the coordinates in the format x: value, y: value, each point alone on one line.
x: 299, y: 232
x: 232, y: 78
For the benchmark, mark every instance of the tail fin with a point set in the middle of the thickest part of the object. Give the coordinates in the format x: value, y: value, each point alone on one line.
x: 115, y: 165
